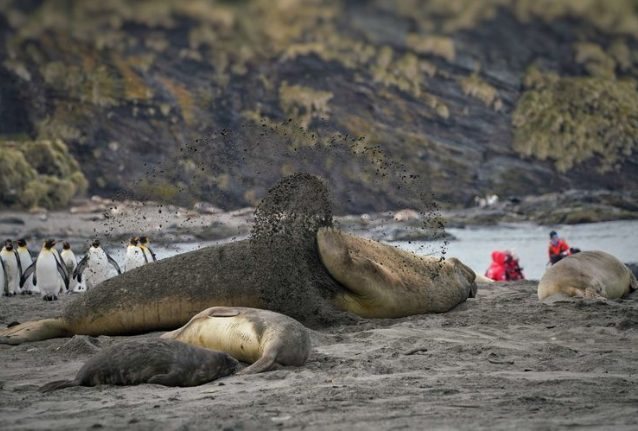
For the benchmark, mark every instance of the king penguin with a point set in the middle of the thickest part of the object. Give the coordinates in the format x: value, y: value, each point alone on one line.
x: 135, y: 256
x: 96, y: 264
x: 12, y: 268
x: 4, y: 282
x: 70, y: 263
x: 48, y: 273
x: 26, y: 260
x: 148, y: 253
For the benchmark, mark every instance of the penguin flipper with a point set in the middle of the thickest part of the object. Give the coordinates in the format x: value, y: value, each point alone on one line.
x: 15, y: 252
x: 77, y: 274
x: 27, y: 272
x: 114, y: 263
x: 63, y: 274
x: 152, y: 254
x: 61, y: 270
x: 5, y: 288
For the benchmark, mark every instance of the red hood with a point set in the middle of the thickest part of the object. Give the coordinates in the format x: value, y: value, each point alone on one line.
x: 498, y: 257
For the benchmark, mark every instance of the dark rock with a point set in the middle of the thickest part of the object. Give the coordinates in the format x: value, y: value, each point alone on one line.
x: 12, y: 220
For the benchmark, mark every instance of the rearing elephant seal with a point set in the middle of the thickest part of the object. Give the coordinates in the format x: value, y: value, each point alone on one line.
x: 589, y: 274
x: 385, y: 282
x: 162, y: 362
x: 279, y: 268
x: 259, y: 337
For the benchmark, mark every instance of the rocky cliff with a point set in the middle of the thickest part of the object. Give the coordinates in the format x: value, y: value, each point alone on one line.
x: 514, y: 97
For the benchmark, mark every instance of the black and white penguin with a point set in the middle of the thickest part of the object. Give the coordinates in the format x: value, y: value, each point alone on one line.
x: 69, y: 262
x: 148, y: 253
x: 96, y: 265
x: 135, y: 256
x: 26, y: 260
x: 12, y: 268
x: 48, y: 272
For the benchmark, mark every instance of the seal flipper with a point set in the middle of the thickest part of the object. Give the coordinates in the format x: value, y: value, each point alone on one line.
x: 58, y: 384
x: 263, y: 364
x: 170, y: 379
x: 36, y: 330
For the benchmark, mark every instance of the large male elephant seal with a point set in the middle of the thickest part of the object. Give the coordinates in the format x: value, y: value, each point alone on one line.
x: 278, y: 269
x: 589, y: 274
x: 259, y: 337
x: 386, y: 282
x: 162, y: 362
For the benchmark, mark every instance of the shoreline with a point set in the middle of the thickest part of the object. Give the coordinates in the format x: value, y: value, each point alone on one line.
x: 167, y: 224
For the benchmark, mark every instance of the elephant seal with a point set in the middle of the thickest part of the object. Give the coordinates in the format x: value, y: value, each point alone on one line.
x: 157, y: 361
x: 588, y: 274
x: 279, y: 268
x: 382, y: 281
x: 258, y: 337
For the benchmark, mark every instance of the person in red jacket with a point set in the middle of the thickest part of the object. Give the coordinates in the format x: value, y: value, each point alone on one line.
x: 558, y: 248
x: 512, y: 267
x: 497, y: 270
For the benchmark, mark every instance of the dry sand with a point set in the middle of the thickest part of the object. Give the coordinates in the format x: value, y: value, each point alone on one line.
x: 500, y: 361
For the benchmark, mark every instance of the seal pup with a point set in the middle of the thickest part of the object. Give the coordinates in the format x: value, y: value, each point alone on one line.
x: 381, y: 281
x: 259, y: 337
x: 135, y: 256
x: 26, y: 260
x: 12, y: 268
x: 588, y: 274
x: 156, y: 361
x: 48, y: 272
x: 96, y: 264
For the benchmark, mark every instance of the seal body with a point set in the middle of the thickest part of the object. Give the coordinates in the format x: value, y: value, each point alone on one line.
x: 588, y: 274
x: 158, y: 361
x: 259, y: 337
x: 385, y: 282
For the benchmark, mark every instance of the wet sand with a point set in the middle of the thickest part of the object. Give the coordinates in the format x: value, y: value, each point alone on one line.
x: 500, y: 361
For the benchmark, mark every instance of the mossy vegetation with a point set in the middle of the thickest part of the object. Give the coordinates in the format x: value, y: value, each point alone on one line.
x: 441, y: 46
x: 38, y: 174
x: 172, y: 70
x: 477, y: 88
x: 304, y: 103
x: 573, y: 119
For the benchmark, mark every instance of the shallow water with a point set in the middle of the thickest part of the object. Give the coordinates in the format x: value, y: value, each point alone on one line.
x: 474, y: 246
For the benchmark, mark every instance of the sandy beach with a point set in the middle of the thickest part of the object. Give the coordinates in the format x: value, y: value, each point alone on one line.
x: 500, y: 361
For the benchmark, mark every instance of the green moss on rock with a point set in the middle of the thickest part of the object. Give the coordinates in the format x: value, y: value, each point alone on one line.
x: 38, y: 174
x: 573, y: 119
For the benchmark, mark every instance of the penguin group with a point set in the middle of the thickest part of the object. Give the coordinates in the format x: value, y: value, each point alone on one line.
x: 52, y: 273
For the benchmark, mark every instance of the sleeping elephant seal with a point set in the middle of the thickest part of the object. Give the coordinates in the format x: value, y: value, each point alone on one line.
x: 386, y: 282
x: 589, y: 274
x: 158, y: 361
x: 279, y: 268
x: 258, y: 337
